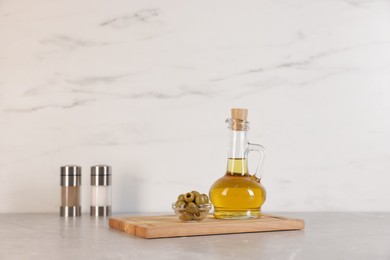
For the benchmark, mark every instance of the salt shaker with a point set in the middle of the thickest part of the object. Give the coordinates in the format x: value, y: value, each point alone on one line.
x: 70, y: 191
x: 101, y: 190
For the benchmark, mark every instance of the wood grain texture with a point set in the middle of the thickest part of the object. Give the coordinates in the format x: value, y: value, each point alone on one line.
x: 171, y: 226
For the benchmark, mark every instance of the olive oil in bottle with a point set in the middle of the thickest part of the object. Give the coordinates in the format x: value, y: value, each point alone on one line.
x: 238, y: 195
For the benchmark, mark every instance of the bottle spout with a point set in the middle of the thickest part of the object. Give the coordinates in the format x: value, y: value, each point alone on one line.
x: 238, y: 121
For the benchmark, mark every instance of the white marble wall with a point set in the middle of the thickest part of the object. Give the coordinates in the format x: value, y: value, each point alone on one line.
x: 145, y: 86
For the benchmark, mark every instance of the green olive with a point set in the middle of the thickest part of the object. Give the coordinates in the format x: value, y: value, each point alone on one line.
x: 185, y: 216
x: 206, y: 198
x: 202, y: 199
x: 181, y: 197
x: 189, y: 197
x: 180, y: 204
x: 196, y: 193
x: 198, y: 216
x: 192, y: 208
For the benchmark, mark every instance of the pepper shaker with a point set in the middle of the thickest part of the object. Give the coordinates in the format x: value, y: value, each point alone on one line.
x: 101, y: 190
x: 70, y: 191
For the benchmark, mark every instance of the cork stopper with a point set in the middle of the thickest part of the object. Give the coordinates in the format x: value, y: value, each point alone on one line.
x: 239, y: 119
x: 240, y: 114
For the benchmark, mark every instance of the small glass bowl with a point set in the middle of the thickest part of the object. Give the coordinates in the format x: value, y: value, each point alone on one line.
x: 184, y: 215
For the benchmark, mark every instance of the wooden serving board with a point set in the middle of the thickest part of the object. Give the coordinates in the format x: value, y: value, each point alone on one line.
x: 171, y: 226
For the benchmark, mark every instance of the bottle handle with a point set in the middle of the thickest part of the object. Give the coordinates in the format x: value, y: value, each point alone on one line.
x: 261, y: 150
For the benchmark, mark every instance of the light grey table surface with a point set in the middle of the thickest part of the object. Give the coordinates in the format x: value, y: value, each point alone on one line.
x: 326, y: 236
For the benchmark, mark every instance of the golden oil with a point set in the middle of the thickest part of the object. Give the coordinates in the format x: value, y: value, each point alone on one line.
x: 237, y: 195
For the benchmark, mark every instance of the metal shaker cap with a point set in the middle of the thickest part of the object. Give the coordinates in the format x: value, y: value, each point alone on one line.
x: 101, y: 175
x: 70, y: 175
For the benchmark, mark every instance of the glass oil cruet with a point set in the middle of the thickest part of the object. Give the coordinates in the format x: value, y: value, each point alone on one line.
x: 238, y: 194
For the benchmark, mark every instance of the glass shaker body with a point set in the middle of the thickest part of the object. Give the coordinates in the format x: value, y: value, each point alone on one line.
x: 101, y: 180
x: 70, y: 191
